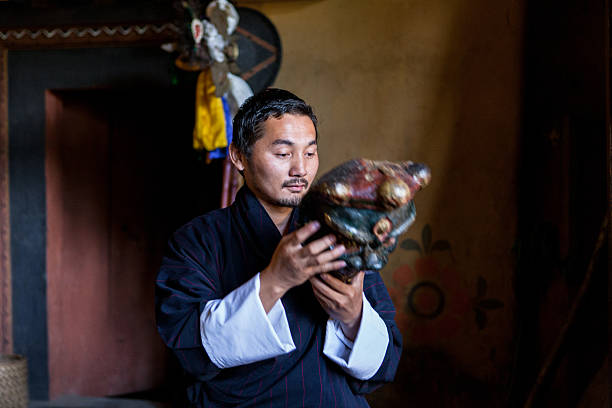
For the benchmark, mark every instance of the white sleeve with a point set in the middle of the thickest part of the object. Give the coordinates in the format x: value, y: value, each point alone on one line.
x: 236, y: 330
x: 363, y: 357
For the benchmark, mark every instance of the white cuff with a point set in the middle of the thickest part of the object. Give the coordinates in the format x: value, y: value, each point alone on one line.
x: 235, y: 330
x: 363, y: 357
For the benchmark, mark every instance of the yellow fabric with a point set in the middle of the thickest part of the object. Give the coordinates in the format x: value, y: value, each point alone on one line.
x: 209, y: 130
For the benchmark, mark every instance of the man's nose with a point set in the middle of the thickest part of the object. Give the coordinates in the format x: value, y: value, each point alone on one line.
x: 298, y: 167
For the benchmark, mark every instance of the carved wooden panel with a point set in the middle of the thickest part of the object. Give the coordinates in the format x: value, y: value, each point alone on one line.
x: 87, y: 36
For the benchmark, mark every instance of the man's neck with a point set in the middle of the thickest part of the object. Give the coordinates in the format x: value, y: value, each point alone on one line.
x: 279, y: 215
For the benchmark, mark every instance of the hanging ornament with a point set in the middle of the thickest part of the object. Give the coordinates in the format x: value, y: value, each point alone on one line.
x: 197, y: 30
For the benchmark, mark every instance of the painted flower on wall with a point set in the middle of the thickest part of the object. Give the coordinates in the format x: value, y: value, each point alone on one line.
x: 432, y: 301
x: 482, y: 303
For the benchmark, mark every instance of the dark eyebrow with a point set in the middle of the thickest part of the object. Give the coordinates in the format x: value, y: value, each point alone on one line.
x: 290, y: 143
x: 282, y: 142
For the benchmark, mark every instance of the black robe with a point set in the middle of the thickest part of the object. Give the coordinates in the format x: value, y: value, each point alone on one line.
x: 219, y: 251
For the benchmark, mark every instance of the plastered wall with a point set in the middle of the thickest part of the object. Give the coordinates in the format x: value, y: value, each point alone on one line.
x: 439, y: 82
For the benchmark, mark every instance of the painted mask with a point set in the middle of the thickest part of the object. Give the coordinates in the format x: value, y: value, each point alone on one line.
x: 367, y: 204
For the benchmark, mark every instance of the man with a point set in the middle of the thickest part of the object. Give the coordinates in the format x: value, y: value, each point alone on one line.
x: 249, y: 310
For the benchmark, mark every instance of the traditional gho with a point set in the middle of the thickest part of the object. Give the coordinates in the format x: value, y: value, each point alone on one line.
x: 366, y: 204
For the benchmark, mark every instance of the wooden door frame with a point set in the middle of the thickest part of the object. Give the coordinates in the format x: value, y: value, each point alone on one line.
x: 28, y: 38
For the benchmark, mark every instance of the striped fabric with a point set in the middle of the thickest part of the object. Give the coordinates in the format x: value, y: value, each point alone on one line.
x: 214, y: 254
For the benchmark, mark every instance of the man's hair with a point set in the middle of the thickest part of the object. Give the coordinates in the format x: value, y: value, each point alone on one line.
x: 271, y: 102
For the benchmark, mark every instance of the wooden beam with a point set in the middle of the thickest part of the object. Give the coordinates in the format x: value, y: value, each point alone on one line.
x: 88, y: 36
x: 6, y: 321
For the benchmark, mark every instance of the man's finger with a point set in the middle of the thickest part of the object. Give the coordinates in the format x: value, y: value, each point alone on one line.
x: 329, y: 256
x: 334, y: 283
x: 323, y: 292
x: 324, y: 301
x: 302, y: 234
x: 321, y: 289
x: 341, y: 287
x: 329, y: 266
x: 320, y: 245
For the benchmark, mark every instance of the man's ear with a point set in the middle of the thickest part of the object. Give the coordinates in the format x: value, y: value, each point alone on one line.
x: 236, y: 157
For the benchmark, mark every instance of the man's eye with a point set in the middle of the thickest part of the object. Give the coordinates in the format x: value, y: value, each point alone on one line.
x: 311, y: 154
x: 282, y: 154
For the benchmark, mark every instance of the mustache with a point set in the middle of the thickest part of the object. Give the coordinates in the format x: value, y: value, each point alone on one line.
x: 296, y: 181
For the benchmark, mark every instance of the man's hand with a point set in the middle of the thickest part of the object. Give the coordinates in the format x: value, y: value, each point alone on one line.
x: 293, y: 264
x: 342, y: 301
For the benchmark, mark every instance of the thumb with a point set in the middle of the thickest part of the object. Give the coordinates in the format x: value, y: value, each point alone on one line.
x: 358, y: 279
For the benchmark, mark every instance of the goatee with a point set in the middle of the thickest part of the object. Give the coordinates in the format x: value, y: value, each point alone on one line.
x: 289, y: 202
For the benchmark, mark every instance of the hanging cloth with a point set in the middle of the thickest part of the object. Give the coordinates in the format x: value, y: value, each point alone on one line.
x: 222, y: 152
x: 210, y: 125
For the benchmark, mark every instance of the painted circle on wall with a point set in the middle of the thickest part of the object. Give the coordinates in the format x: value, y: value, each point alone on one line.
x: 259, y: 47
x: 426, y: 300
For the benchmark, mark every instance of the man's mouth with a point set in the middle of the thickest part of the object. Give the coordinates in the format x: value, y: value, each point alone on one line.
x: 296, y: 186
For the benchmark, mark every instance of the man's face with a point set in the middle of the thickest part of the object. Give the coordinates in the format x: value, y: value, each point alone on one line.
x: 284, y: 161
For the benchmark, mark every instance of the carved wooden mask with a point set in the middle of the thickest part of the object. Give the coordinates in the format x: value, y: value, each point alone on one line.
x: 367, y: 204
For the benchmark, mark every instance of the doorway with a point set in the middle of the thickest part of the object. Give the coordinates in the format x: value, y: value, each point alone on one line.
x: 120, y: 177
